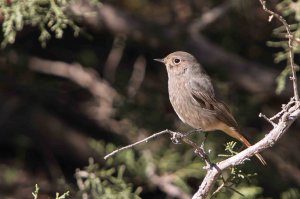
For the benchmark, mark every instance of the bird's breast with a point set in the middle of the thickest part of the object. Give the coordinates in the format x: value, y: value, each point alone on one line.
x: 184, y: 106
x: 182, y: 102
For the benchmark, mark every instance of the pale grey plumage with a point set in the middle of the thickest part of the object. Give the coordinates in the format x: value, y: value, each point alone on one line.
x: 189, y: 83
x: 192, y: 96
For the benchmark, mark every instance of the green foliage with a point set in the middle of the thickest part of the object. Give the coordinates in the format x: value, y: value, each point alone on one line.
x: 96, y: 182
x: 180, y: 166
x: 48, y: 15
x: 289, y: 9
x: 237, y: 175
x: 292, y: 193
x: 281, y: 79
x: 229, y: 148
x: 57, y: 196
x: 234, y: 182
x: 9, y: 175
x: 134, y: 164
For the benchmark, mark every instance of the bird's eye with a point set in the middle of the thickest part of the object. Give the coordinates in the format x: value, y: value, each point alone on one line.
x: 177, y: 61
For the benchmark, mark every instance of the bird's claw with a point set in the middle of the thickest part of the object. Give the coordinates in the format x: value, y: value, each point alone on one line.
x: 176, y: 137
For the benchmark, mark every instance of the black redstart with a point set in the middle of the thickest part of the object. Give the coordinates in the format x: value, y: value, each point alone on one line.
x: 192, y: 96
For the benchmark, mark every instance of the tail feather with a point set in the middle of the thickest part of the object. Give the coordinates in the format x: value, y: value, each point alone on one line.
x: 247, y: 144
x: 235, y: 134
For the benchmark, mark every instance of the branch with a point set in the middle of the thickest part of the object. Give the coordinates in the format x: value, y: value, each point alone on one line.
x: 101, y: 107
x: 164, y: 182
x: 209, y: 17
x: 235, y: 64
x: 137, y: 76
x: 155, y: 35
x: 136, y: 143
x: 286, y: 116
x: 176, y: 138
x: 114, y: 57
x: 290, y: 45
x: 87, y: 78
x: 274, y: 135
x: 83, y: 76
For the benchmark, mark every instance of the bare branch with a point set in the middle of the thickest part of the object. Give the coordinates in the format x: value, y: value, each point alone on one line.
x: 290, y: 45
x: 114, y: 57
x: 136, y: 143
x: 115, y: 20
x: 286, y: 116
x: 267, y: 119
x: 204, y: 48
x: 176, y: 138
x: 268, y: 141
x: 284, y: 108
x: 164, y: 182
x: 209, y: 17
x: 87, y: 78
x: 137, y: 76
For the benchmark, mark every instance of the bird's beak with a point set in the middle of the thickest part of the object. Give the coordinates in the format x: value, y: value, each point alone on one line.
x: 160, y: 60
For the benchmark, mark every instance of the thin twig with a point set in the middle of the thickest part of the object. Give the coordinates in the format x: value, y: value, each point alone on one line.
x: 284, y: 108
x: 137, y: 76
x: 136, y: 143
x: 236, y: 191
x: 209, y: 17
x: 278, y: 115
x: 200, y: 151
x: 217, y: 190
x: 290, y: 46
x: 176, y: 138
x: 286, y: 117
x: 114, y: 57
x: 268, y: 141
x: 267, y: 119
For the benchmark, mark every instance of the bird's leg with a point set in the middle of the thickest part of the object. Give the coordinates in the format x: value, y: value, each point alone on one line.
x: 192, y: 131
x: 205, y: 137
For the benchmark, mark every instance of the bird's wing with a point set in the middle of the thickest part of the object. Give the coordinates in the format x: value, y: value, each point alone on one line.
x: 203, y: 94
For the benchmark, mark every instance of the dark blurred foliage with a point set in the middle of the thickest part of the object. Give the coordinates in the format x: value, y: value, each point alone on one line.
x: 67, y: 96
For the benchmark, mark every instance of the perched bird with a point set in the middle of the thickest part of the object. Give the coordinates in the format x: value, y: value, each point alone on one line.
x: 193, y: 98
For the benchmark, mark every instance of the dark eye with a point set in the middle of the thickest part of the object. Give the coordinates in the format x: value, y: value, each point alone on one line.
x: 177, y: 61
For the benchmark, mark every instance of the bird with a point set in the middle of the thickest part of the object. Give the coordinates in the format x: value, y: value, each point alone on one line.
x: 192, y: 96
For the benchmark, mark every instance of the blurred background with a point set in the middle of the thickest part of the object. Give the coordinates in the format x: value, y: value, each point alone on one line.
x: 78, y: 80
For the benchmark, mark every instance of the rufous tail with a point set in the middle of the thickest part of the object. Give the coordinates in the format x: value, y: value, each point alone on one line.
x: 235, y: 134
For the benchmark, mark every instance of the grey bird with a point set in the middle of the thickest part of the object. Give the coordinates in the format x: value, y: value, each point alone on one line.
x: 192, y: 96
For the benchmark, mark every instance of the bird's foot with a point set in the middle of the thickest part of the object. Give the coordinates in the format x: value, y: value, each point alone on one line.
x: 204, y: 155
x: 177, y: 137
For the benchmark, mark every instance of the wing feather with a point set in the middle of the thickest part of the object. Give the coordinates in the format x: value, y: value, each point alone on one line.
x: 204, y: 97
